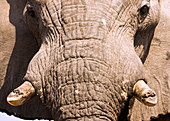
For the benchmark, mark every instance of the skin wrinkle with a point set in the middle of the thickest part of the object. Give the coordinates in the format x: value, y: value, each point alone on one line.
x: 73, y: 83
x: 60, y: 22
x: 87, y: 108
x: 70, y: 16
x: 67, y: 85
x: 75, y: 46
x: 111, y: 105
x: 94, y: 117
x: 73, y: 56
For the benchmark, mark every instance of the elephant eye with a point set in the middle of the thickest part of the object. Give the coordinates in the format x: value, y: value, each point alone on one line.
x: 144, y: 10
x: 30, y: 10
x: 142, y: 13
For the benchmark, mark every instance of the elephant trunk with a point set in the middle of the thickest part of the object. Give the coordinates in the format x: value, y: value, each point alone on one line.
x: 81, y: 88
x: 78, y: 83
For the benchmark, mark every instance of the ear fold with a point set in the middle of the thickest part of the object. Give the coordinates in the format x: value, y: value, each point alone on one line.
x: 142, y: 42
x: 148, y: 18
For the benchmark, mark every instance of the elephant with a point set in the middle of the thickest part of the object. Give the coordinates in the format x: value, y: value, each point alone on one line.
x: 86, y: 67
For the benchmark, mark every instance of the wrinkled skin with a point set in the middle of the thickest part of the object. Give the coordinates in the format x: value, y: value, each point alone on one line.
x: 94, y: 65
x: 86, y: 66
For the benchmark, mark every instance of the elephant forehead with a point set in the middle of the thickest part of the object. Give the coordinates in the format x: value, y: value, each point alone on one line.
x: 85, y: 19
x: 113, y: 7
x: 116, y: 4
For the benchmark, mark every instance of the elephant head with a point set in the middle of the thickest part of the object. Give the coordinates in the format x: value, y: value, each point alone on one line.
x: 89, y: 64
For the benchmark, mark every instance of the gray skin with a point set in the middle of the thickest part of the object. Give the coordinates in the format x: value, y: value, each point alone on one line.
x: 86, y: 66
x: 87, y: 59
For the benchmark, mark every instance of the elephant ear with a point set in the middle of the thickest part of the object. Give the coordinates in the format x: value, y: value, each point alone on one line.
x: 17, y: 48
x: 158, y: 70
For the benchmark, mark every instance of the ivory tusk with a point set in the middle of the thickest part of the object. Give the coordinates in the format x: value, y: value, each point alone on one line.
x: 144, y: 93
x: 21, y: 94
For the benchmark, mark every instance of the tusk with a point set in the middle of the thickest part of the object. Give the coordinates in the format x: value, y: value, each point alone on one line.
x: 21, y: 94
x: 144, y: 93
